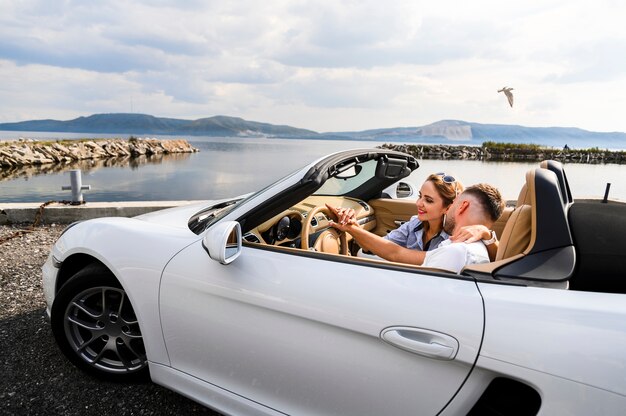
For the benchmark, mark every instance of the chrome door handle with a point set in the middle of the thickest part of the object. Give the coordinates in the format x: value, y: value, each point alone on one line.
x: 420, y: 341
x: 399, y: 222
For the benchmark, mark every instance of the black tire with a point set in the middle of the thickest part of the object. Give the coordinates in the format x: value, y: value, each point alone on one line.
x: 95, y: 326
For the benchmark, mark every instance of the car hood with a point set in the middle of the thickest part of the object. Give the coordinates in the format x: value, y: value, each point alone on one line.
x: 177, y: 216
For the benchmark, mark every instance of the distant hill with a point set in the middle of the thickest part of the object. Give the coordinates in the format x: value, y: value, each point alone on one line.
x: 462, y: 132
x: 142, y: 124
x: 444, y: 131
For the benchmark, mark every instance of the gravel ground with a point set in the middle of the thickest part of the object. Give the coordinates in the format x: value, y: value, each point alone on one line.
x: 35, y: 377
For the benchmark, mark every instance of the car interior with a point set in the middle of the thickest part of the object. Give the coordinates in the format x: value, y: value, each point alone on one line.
x: 538, y: 245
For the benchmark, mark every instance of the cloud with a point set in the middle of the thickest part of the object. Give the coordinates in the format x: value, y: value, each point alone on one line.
x: 593, y: 61
x: 380, y: 34
x: 324, y: 65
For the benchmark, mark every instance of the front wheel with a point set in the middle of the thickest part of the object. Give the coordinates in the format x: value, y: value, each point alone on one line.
x: 95, y: 326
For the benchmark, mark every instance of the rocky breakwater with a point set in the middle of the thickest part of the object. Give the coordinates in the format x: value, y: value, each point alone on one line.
x: 439, y: 151
x: 28, y: 152
x: 491, y: 151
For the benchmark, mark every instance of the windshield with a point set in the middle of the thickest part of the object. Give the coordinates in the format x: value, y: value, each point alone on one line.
x: 203, y: 219
x: 336, y: 186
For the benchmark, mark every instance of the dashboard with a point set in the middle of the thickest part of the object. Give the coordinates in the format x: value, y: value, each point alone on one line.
x: 285, y: 229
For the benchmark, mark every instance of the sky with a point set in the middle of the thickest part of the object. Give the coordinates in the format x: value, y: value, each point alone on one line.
x: 324, y: 65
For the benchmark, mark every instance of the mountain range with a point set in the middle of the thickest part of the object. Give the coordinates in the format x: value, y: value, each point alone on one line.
x: 441, y: 132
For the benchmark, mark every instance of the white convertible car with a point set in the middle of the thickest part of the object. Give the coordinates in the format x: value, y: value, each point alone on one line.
x: 254, y: 306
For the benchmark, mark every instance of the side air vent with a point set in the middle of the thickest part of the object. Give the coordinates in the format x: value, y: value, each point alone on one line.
x: 251, y: 238
x: 364, y: 205
x: 313, y: 220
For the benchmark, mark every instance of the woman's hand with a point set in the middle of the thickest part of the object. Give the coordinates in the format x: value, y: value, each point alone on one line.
x: 346, y: 217
x: 471, y: 233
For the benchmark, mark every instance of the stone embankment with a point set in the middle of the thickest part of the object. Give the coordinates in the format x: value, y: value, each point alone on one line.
x: 515, y: 153
x: 27, y: 152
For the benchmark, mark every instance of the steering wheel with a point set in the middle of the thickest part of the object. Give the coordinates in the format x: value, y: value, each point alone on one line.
x: 329, y: 241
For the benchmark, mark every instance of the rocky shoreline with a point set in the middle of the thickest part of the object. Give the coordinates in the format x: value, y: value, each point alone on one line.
x: 29, y: 152
x: 511, y: 153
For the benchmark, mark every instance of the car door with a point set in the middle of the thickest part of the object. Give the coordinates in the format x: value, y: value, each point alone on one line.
x: 392, y: 213
x: 311, y: 334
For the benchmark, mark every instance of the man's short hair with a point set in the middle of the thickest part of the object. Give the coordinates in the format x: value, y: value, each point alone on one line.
x: 489, y: 198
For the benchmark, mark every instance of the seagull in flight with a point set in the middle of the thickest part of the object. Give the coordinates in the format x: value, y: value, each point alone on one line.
x: 508, y: 93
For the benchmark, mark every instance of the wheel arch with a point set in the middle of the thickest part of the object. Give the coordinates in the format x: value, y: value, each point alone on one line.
x: 135, y: 254
x: 146, y: 307
x: 83, y: 321
x: 73, y: 264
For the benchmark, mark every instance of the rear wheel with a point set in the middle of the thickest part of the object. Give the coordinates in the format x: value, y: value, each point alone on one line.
x: 95, y: 326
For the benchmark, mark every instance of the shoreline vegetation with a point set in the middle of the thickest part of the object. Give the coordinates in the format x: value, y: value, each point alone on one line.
x: 509, y: 152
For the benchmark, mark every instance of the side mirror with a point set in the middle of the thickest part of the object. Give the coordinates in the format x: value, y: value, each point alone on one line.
x: 404, y: 190
x: 399, y: 190
x: 223, y: 241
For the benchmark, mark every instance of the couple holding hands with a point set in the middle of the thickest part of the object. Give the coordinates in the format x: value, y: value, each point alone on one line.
x: 452, y: 227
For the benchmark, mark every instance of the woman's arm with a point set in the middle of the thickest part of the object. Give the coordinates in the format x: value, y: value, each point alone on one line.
x: 386, y: 249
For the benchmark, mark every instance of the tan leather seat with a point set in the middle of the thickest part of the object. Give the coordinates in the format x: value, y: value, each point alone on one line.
x: 517, y: 232
x: 536, y: 243
x: 499, y: 225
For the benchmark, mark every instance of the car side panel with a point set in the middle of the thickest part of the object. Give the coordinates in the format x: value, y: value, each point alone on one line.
x: 302, y: 335
x: 559, y: 396
x: 579, y: 336
x: 227, y: 402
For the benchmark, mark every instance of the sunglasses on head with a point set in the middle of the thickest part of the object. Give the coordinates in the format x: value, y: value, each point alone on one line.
x: 446, y: 178
x: 449, y: 180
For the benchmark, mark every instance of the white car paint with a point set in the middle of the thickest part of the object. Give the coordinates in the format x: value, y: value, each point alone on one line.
x: 291, y: 332
x: 138, y: 275
x: 566, y: 328
x: 276, y: 322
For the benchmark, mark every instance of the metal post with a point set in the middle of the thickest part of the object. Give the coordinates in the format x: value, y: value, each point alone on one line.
x: 606, y: 193
x: 76, y: 187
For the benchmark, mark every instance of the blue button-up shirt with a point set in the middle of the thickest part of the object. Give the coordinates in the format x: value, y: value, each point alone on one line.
x: 410, y: 235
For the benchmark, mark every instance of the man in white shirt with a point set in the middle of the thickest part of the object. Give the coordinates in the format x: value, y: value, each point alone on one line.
x: 454, y: 256
x: 479, y: 204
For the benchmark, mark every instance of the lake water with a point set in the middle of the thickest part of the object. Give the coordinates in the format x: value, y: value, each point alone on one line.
x: 232, y: 166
